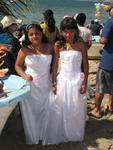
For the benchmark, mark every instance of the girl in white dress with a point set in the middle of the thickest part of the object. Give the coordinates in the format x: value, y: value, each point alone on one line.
x: 67, y: 114
x: 37, y: 55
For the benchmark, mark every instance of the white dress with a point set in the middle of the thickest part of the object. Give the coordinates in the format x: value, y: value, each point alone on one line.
x: 67, y: 113
x: 34, y: 108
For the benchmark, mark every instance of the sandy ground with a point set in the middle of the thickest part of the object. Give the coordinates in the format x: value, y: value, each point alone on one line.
x: 98, y: 134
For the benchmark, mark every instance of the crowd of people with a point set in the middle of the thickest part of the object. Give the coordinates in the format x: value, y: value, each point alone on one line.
x: 55, y: 63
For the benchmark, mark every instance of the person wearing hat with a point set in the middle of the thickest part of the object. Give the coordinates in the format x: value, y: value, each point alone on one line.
x: 96, y: 20
x: 9, y: 26
x: 104, y: 79
x: 49, y: 28
x: 97, y: 28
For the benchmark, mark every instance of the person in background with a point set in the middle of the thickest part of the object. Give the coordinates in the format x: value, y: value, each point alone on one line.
x: 37, y: 56
x: 9, y: 26
x: 21, y: 35
x: 85, y: 33
x: 104, y: 80
x: 90, y: 24
x: 95, y: 27
x: 49, y: 28
x: 66, y: 16
x: 67, y: 113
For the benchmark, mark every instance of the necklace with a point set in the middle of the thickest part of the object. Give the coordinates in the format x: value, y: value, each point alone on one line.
x: 37, y: 49
x: 70, y: 46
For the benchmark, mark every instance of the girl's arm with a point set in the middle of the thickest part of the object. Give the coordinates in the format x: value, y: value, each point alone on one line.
x: 20, y: 65
x: 55, y: 66
x: 85, y: 69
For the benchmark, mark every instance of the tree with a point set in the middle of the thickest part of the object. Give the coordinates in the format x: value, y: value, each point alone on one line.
x: 13, y: 7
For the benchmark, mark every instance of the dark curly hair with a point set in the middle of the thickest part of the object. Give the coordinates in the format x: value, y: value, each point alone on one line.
x: 26, y: 42
x: 69, y: 23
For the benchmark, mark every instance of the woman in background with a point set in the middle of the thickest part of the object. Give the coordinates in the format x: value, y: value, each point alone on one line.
x: 49, y: 28
x: 9, y: 26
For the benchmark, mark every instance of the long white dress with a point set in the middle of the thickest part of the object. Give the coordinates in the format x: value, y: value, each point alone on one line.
x: 67, y: 113
x: 34, y: 108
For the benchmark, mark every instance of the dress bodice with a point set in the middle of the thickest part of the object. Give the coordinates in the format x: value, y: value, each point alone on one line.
x: 38, y: 65
x: 70, y: 62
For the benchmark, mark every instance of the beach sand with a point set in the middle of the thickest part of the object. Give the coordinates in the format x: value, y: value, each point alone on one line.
x: 98, y: 134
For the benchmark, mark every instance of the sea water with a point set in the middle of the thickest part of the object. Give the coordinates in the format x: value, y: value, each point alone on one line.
x: 62, y: 8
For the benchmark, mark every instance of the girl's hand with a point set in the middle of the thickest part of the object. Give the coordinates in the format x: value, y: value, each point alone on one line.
x: 83, y: 88
x: 28, y: 77
x: 54, y: 88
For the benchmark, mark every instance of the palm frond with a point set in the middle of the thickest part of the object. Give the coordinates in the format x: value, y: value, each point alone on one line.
x: 13, y: 7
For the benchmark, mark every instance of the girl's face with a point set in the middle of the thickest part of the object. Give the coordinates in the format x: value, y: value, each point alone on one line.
x: 34, y: 35
x: 69, y: 34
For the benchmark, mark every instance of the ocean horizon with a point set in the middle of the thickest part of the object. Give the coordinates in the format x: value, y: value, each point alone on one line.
x: 62, y: 8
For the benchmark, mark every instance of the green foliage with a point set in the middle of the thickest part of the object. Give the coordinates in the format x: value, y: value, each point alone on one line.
x: 13, y: 7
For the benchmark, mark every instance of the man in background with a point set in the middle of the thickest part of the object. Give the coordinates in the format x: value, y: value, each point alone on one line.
x: 104, y: 80
x: 85, y: 33
x: 97, y: 27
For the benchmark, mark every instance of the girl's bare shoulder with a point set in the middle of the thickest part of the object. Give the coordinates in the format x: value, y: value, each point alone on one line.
x: 25, y: 50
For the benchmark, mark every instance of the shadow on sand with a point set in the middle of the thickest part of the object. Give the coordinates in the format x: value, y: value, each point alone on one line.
x: 97, y: 130
x: 13, y: 138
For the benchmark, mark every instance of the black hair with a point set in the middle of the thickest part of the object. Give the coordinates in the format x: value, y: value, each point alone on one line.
x: 26, y: 42
x: 23, y: 27
x: 81, y: 18
x: 1, y: 29
x: 51, y: 24
x: 49, y: 17
x: 22, y: 30
x: 48, y: 13
x: 69, y: 23
x: 92, y: 22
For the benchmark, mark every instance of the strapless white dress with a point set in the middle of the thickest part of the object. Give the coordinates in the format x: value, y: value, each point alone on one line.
x: 67, y: 113
x: 35, y: 107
